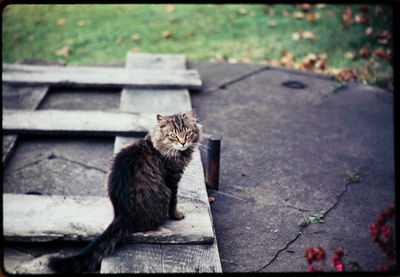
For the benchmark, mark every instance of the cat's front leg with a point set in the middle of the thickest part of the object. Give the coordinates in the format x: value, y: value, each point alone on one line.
x: 174, y: 213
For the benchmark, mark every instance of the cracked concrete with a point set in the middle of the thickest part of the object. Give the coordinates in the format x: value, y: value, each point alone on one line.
x: 283, y: 155
x: 286, y: 150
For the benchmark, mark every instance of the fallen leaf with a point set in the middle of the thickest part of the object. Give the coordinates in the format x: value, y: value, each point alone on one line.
x: 349, y: 55
x: 312, y: 16
x: 170, y: 9
x: 368, y: 31
x: 383, y: 41
x: 322, y: 56
x: 64, y: 52
x: 135, y: 37
x: 135, y: 49
x: 191, y: 33
x: 285, y: 13
x: 166, y: 34
x: 364, y: 52
x: 119, y: 40
x: 362, y: 18
x: 320, y: 6
x: 304, y: 7
x: 347, y: 18
x: 330, y: 13
x: 272, y: 24
x: 298, y: 15
x: 242, y: 11
x: 381, y: 53
x: 309, y: 35
x: 61, y: 22
x: 346, y: 75
x: 296, y: 36
x: 232, y: 60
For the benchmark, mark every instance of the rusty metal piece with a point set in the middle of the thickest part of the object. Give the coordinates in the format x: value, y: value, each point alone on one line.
x: 213, y: 157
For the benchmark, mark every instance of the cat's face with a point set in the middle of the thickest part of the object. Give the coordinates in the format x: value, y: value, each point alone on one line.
x: 176, y: 132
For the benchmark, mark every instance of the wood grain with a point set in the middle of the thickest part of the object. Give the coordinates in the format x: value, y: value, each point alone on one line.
x: 82, y: 218
x: 100, y: 76
x: 72, y: 122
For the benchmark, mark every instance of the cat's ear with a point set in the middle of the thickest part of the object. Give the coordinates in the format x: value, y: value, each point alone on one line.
x: 190, y: 114
x: 162, y: 120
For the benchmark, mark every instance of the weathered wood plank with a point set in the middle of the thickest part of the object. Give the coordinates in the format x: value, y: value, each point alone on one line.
x: 19, y: 98
x: 69, y: 122
x: 162, y: 258
x: 48, y: 218
x: 100, y: 76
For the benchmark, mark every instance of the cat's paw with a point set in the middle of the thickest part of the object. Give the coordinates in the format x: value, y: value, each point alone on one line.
x: 177, y: 215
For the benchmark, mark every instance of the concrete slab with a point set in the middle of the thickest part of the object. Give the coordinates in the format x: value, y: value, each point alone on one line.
x: 283, y: 155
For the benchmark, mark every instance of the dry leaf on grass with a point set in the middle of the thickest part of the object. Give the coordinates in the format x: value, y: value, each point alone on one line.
x: 64, y: 52
x: 364, y: 52
x: 170, y: 9
x: 347, y: 17
x: 346, y: 75
x: 304, y: 7
x: 368, y: 31
x: 166, y: 34
x: 135, y: 37
x: 242, y: 11
x: 349, y: 55
x: 61, y: 22
x: 298, y: 15
x: 382, y: 54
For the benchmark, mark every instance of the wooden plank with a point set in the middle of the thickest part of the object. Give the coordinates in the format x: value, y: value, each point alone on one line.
x: 73, y: 122
x: 100, y: 76
x: 20, y: 98
x: 82, y: 218
x: 162, y: 258
x: 145, y: 258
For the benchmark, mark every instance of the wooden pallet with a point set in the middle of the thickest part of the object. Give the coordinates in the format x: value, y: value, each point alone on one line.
x: 155, y: 251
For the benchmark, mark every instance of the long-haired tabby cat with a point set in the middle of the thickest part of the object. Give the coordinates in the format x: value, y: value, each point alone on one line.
x: 142, y: 186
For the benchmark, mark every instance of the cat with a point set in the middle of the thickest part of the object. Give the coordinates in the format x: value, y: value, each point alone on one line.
x: 142, y: 186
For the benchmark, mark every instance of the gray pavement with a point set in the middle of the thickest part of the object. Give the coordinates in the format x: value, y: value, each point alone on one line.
x: 283, y: 156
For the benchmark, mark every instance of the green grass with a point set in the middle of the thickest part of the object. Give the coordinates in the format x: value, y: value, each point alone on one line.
x: 202, y: 32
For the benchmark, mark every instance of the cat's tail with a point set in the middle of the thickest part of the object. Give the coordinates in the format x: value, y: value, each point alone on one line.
x: 90, y: 257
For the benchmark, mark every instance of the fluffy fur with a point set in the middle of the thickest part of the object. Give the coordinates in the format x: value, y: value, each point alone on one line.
x: 142, y: 186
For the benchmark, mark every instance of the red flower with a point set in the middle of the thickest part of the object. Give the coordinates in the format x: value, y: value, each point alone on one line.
x: 336, y: 259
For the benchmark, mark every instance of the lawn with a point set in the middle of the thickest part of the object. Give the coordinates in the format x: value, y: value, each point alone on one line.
x: 353, y: 42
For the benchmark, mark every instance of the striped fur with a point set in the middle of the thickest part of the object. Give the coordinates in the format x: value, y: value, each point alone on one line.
x: 142, y: 186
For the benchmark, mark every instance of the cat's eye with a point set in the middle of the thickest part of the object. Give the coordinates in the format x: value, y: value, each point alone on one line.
x: 173, y: 136
x: 188, y: 133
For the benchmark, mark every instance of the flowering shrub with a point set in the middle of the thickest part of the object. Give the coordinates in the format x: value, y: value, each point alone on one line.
x: 318, y: 254
x: 382, y: 234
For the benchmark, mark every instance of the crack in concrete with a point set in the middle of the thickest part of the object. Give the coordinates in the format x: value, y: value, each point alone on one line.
x: 338, y: 198
x: 235, y: 80
x: 299, y: 209
x: 52, y: 156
